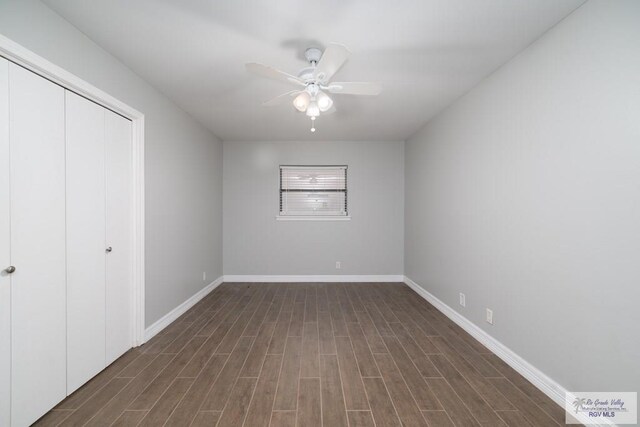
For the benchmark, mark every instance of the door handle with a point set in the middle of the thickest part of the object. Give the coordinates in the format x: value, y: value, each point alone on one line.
x: 10, y: 269
x: 109, y: 249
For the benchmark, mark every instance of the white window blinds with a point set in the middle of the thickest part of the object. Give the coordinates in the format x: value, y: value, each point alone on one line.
x: 313, y: 190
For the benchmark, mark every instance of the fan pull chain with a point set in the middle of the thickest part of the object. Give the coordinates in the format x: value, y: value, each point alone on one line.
x: 313, y: 122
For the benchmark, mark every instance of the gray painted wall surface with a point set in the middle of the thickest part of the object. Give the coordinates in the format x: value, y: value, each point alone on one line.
x: 525, y: 195
x: 183, y: 160
x: 371, y: 243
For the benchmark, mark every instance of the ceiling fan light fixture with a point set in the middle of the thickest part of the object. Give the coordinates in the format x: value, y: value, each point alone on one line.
x: 324, y: 101
x: 301, y: 102
x: 315, y: 82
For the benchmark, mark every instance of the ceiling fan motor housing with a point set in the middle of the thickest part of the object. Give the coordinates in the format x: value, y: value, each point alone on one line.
x: 306, y: 73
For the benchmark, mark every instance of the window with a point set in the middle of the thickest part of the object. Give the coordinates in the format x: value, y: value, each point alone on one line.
x: 313, y: 191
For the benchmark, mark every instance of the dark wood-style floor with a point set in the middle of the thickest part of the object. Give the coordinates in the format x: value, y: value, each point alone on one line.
x: 310, y: 355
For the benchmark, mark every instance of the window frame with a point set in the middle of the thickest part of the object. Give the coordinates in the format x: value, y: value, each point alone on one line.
x: 315, y: 217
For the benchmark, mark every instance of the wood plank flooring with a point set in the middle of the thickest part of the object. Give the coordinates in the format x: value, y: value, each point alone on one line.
x: 287, y: 354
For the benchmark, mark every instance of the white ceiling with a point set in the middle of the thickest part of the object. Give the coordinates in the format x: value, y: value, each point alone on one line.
x: 427, y: 53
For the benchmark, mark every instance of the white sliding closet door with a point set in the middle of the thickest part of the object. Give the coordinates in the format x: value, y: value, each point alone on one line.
x: 38, y: 291
x: 119, y: 234
x: 5, y: 253
x: 85, y: 151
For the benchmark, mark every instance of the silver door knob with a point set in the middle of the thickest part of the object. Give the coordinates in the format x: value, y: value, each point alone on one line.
x: 109, y: 249
x: 10, y: 269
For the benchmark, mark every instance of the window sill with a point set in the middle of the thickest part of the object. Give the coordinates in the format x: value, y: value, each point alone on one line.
x: 313, y: 218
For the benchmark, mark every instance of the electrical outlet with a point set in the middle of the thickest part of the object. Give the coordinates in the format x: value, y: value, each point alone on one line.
x: 204, y: 275
x: 489, y: 316
x: 463, y: 301
x: 338, y: 265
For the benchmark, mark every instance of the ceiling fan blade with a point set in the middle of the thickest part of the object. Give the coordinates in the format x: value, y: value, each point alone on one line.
x: 355, y: 88
x: 273, y: 73
x: 333, y: 57
x: 281, y: 99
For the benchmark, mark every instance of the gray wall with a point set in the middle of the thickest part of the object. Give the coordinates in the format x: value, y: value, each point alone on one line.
x: 525, y: 195
x: 183, y: 160
x: 371, y: 243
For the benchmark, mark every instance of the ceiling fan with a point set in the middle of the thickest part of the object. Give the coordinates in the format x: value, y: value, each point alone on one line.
x: 314, y: 82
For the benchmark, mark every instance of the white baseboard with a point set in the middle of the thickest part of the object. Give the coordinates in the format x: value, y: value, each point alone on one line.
x: 548, y: 386
x: 315, y: 278
x: 171, y: 316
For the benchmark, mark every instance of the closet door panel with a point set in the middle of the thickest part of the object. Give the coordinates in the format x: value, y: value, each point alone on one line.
x: 5, y: 254
x: 119, y: 234
x: 85, y: 240
x: 38, y: 291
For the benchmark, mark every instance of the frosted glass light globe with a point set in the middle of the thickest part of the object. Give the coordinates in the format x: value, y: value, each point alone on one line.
x: 313, y: 110
x: 324, y: 101
x: 301, y: 102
